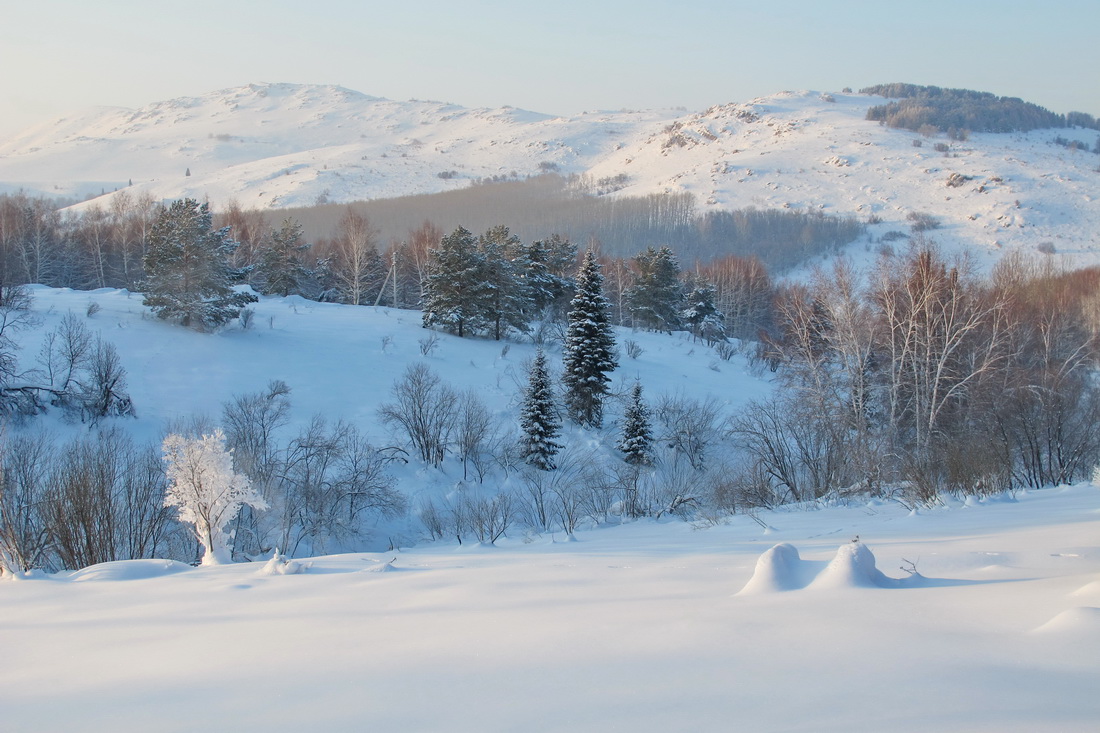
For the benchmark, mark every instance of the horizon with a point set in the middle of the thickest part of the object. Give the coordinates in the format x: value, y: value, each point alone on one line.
x: 614, y: 55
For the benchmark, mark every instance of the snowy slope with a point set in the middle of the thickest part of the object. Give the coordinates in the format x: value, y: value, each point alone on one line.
x: 644, y: 626
x: 275, y: 145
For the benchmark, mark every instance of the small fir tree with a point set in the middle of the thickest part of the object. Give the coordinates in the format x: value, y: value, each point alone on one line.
x: 539, y: 418
x: 637, y: 440
x: 589, y: 347
x: 187, y: 274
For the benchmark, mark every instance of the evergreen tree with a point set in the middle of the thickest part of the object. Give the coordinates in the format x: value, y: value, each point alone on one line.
x: 187, y: 274
x: 637, y: 440
x: 454, y: 287
x: 547, y: 264
x: 589, y: 347
x: 281, y: 263
x: 701, y: 315
x: 654, y: 298
x: 539, y: 418
x: 505, y: 303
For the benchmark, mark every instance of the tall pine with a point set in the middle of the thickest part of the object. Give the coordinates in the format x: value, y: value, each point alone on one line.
x: 188, y: 278
x: 539, y: 418
x: 589, y: 347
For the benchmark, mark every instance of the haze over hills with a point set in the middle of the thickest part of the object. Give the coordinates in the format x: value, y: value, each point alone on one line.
x: 281, y: 145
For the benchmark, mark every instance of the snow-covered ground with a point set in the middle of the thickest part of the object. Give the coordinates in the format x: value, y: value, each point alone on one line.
x: 638, y: 627
x: 643, y: 626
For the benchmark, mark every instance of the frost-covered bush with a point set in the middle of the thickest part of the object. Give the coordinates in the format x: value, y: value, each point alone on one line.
x: 206, y: 490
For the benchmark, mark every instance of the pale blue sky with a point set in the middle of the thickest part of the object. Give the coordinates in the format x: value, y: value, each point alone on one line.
x: 562, y: 57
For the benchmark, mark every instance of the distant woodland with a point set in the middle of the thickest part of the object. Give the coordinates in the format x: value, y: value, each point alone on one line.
x: 104, y: 246
x: 921, y: 108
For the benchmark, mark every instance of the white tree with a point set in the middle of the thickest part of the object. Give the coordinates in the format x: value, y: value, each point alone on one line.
x: 207, y: 492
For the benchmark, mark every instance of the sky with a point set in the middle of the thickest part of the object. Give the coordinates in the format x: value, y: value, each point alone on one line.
x: 562, y: 57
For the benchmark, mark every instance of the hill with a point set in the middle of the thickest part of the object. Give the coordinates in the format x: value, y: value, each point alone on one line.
x: 279, y: 145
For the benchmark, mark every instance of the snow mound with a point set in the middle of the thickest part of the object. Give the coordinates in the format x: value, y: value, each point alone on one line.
x: 1081, y: 620
x: 778, y: 569
x: 282, y: 565
x: 128, y: 570
x: 853, y: 567
x: 1091, y: 590
x: 384, y: 567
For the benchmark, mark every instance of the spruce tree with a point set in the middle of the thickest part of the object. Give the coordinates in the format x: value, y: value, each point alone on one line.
x: 539, y: 418
x: 589, y: 347
x: 637, y: 440
x: 187, y: 274
x: 654, y: 298
x: 281, y: 262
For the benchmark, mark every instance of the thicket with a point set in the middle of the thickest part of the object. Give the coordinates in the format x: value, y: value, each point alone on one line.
x: 964, y: 109
x: 924, y: 378
x: 102, y: 497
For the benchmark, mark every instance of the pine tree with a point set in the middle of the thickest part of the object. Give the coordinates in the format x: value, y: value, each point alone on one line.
x: 589, y: 347
x: 281, y: 264
x: 187, y: 274
x: 654, y: 298
x: 539, y: 418
x: 637, y: 440
x: 454, y: 287
x: 547, y: 263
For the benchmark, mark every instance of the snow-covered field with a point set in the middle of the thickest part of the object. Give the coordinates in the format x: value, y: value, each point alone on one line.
x: 639, y: 627
x: 642, y: 626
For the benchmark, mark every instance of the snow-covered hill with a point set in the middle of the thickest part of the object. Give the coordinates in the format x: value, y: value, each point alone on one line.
x: 279, y: 145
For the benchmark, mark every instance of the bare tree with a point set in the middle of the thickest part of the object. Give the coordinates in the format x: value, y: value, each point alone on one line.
x: 24, y: 521
x: 688, y: 426
x: 489, y: 518
x: 331, y: 477
x: 356, y: 262
x: 474, y: 434
x: 425, y: 410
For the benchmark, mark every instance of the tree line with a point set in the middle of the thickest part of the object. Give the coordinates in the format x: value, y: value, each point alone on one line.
x: 960, y: 110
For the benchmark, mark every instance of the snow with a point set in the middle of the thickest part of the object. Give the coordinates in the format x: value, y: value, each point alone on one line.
x: 633, y: 627
x: 281, y: 145
x: 775, y: 622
